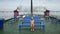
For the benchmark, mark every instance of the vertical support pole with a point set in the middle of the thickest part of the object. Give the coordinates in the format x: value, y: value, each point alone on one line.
x: 31, y: 8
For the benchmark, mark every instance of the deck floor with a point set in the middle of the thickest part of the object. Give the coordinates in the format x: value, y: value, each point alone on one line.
x: 50, y: 28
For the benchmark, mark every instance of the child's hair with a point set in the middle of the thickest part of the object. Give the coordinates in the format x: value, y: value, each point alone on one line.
x: 32, y: 18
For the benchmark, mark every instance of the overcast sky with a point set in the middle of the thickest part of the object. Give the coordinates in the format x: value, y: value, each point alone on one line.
x: 11, y: 5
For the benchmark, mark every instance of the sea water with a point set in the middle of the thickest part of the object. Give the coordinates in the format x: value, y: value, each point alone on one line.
x: 10, y: 14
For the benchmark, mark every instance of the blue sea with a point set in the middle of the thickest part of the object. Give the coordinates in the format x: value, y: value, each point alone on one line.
x: 10, y: 14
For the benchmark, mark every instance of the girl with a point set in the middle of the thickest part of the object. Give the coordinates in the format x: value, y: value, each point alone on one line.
x: 32, y: 24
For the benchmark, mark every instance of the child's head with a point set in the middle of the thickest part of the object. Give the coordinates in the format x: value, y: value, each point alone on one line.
x: 32, y: 18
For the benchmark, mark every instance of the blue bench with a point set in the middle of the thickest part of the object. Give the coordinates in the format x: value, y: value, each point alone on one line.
x: 55, y: 19
x: 11, y: 20
x: 52, y: 18
x: 58, y: 21
x: 37, y: 22
x: 27, y: 20
x: 1, y: 22
x: 28, y: 25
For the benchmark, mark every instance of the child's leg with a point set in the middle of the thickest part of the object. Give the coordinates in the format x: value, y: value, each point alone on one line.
x: 32, y: 27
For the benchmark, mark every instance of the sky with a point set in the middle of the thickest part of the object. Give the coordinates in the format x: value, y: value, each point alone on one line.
x: 10, y: 5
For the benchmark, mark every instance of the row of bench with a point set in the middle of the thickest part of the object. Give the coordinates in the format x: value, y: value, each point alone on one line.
x: 12, y: 20
x: 54, y: 19
x: 25, y: 22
